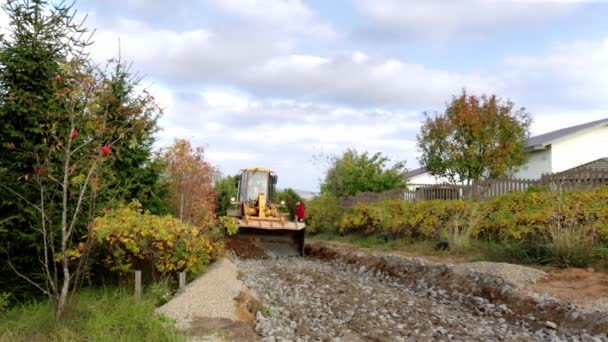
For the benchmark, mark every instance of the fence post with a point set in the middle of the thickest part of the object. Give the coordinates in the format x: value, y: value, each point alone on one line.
x: 182, y: 281
x: 137, y: 285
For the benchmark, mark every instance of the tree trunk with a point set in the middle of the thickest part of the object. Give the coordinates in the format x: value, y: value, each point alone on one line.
x: 63, y: 295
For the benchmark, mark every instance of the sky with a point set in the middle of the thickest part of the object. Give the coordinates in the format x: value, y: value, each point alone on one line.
x: 274, y: 83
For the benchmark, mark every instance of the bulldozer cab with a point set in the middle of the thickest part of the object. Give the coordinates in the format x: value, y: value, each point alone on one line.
x: 253, y: 182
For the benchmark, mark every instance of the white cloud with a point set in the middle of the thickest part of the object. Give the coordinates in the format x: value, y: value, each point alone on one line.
x: 291, y: 16
x: 554, y: 119
x: 263, y: 67
x: 269, y: 11
x: 189, y: 55
x: 358, y: 79
x: 223, y: 156
x: 4, y: 22
x: 572, y: 76
x: 443, y: 19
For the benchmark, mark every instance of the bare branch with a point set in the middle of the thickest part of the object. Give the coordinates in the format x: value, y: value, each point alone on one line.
x: 45, y: 241
x: 28, y: 279
x: 79, y: 147
x: 23, y: 198
x: 80, y: 197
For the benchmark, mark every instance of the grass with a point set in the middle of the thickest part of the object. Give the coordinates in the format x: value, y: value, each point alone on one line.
x: 542, y: 252
x: 372, y: 241
x: 95, y: 314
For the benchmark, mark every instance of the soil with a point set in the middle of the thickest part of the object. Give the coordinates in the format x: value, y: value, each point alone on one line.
x: 221, y: 329
x: 582, y: 286
x: 245, y: 304
x: 246, y: 248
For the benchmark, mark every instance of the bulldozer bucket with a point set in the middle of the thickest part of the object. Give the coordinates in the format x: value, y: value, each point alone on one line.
x: 276, y: 238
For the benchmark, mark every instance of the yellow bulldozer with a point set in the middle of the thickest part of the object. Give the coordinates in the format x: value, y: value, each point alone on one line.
x: 260, y: 218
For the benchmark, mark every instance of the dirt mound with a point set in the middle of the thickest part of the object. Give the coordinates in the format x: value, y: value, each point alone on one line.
x: 520, y: 276
x: 247, y: 248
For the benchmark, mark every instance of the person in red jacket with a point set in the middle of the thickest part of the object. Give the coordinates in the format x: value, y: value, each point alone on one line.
x: 300, y: 211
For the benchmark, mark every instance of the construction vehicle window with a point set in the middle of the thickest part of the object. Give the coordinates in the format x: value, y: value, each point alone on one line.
x: 256, y: 183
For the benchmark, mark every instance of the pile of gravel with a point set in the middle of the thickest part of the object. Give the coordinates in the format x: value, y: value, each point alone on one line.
x: 501, y: 284
x: 211, y: 295
x: 517, y: 275
x: 332, y: 301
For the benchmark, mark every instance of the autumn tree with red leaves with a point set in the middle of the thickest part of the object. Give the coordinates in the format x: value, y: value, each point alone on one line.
x: 476, y: 138
x: 190, y: 179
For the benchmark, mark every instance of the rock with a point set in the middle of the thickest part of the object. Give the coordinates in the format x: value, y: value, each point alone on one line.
x: 313, y: 300
x: 550, y: 325
x: 442, y: 330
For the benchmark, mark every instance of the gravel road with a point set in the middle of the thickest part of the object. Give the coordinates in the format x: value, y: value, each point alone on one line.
x: 331, y: 301
x: 210, y: 296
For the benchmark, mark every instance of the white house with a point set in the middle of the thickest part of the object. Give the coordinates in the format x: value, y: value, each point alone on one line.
x: 552, y: 152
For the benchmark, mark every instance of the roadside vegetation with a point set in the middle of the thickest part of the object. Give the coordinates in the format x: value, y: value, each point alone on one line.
x: 84, y: 198
x: 95, y: 314
x: 535, y: 227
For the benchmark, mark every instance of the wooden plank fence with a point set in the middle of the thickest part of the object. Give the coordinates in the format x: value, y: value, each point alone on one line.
x: 581, y: 178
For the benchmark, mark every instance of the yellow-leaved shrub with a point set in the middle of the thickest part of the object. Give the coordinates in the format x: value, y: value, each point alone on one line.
x: 517, y: 216
x: 130, y: 239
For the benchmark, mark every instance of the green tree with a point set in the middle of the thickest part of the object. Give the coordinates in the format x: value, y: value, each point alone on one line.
x: 291, y: 198
x: 476, y: 138
x: 354, y: 172
x: 224, y: 189
x: 136, y: 170
x: 69, y: 133
x: 31, y: 56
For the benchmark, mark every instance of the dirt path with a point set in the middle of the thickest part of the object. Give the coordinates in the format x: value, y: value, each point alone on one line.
x: 213, y: 307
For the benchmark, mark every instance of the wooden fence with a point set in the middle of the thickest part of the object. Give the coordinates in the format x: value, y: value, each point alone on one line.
x: 581, y: 178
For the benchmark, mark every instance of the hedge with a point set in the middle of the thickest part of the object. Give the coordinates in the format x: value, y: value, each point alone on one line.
x: 518, y: 216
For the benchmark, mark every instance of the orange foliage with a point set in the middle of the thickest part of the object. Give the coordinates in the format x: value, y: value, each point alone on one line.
x: 190, y: 179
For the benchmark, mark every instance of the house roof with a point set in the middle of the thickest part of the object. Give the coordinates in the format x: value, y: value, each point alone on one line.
x: 546, y: 139
x: 415, y: 172
x: 596, y: 165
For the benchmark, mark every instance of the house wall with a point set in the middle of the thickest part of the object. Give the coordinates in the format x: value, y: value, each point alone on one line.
x: 424, y: 178
x: 539, y: 162
x: 579, y: 149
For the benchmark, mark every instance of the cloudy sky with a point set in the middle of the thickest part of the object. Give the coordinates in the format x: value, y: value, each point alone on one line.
x: 274, y: 82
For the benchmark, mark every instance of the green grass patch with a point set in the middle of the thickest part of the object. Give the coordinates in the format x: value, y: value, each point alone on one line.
x: 358, y: 240
x: 376, y: 242
x: 94, y: 315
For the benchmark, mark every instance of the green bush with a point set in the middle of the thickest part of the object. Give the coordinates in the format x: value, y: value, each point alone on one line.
x: 323, y: 214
